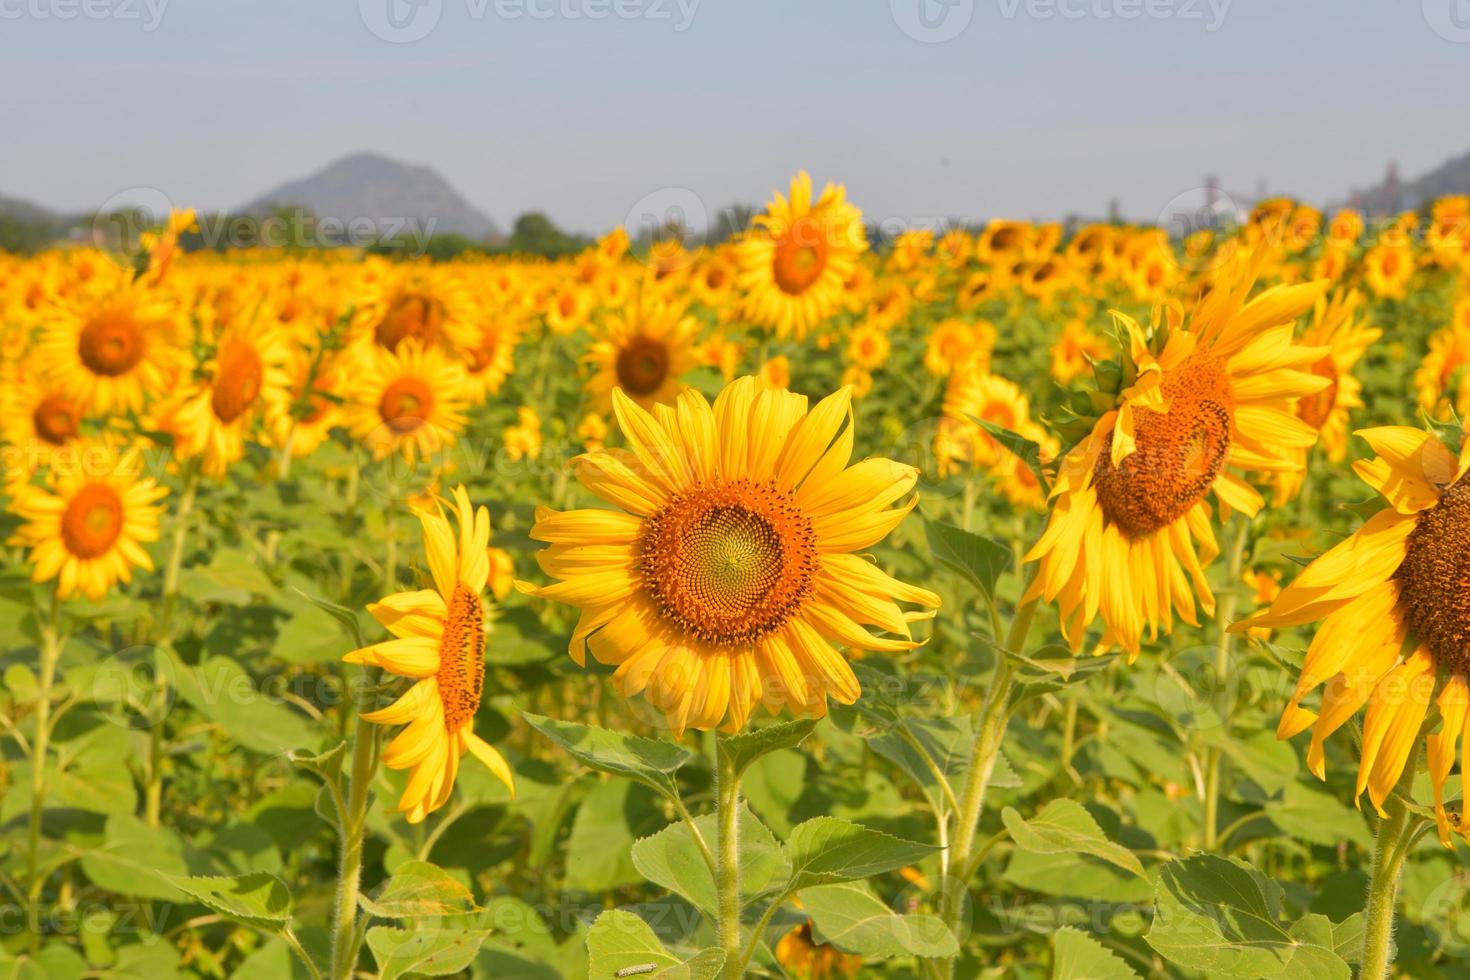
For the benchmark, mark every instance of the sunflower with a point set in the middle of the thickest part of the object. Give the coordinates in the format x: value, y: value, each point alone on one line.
x: 775, y: 373
x: 795, y: 261
x: 439, y: 642
x: 644, y: 350
x: 1388, y: 267
x: 868, y: 347
x: 491, y: 359
x: 215, y: 412
x: 36, y: 418
x: 954, y: 341
x: 1130, y: 527
x: 1394, y: 618
x: 110, y: 354
x: 410, y: 401
x: 1337, y: 328
x: 1441, y: 381
x: 301, y: 417
x: 568, y: 308
x: 803, y: 958
x: 87, y: 525
x: 727, y: 574
x: 427, y: 305
x: 1074, y: 350
x: 972, y: 395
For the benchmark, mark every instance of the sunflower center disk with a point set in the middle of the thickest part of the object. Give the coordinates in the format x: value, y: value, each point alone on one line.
x: 1177, y: 453
x: 1431, y: 579
x: 642, y: 366
x: 56, y: 420
x: 238, y: 385
x: 405, y: 404
x: 111, y: 345
x: 729, y: 563
x: 409, y: 316
x: 801, y: 256
x: 92, y: 521
x: 461, y: 673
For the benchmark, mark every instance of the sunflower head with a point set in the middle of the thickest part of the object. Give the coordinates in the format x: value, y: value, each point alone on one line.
x: 439, y: 643
x: 726, y: 578
x: 86, y: 526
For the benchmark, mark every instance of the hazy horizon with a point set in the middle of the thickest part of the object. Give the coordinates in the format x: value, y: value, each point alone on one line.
x: 1033, y: 108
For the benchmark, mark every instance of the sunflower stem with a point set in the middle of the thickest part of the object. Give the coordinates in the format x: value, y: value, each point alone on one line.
x: 1390, y: 847
x: 50, y: 654
x: 158, y: 710
x: 995, y: 713
x: 345, y: 942
x: 1225, y: 614
x: 727, y: 861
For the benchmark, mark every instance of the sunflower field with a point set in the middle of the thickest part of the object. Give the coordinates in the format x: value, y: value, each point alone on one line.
x: 1017, y: 601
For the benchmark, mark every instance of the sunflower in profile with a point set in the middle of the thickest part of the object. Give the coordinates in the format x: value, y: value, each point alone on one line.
x: 1394, y: 618
x: 1130, y: 530
x: 438, y: 642
x: 643, y: 349
x: 215, y: 412
x: 111, y: 353
x: 1442, y: 383
x: 492, y: 359
x: 410, y: 401
x: 731, y: 569
x: 1336, y: 326
x: 794, y: 263
x: 87, y: 525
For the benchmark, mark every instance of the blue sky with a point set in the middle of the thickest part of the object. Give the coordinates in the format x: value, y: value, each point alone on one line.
x: 1032, y: 110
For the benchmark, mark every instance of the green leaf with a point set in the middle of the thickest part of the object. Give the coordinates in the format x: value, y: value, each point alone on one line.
x: 610, y: 818
x: 1026, y: 450
x: 232, y: 577
x: 979, y: 559
x: 225, y: 694
x: 1317, y: 817
x: 425, y: 952
x: 828, y: 850
x: 1224, y: 918
x: 621, y: 945
x: 1064, y: 826
x: 644, y: 759
x: 345, y: 617
x: 747, y: 747
x: 1077, y: 956
x: 257, y: 899
x: 133, y: 859
x: 672, y: 859
x: 419, y: 889
x: 327, y: 765
x: 852, y: 918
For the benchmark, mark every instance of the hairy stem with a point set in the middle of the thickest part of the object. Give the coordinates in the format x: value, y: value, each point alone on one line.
x: 727, y: 861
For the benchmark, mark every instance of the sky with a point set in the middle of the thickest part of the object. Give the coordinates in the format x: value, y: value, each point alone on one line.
x: 598, y: 111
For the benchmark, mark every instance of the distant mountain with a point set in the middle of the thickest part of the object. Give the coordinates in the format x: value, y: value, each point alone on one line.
x: 19, y: 210
x: 1391, y: 195
x: 366, y: 185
